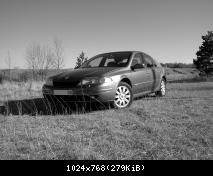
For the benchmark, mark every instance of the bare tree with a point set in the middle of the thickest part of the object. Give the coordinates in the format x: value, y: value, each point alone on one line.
x: 31, y: 58
x: 39, y: 59
x: 58, y: 53
x: 49, y: 63
x: 8, y: 62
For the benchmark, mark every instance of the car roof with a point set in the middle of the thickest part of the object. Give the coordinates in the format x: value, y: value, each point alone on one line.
x: 122, y: 52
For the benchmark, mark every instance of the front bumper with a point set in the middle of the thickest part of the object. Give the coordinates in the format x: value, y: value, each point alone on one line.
x: 96, y: 93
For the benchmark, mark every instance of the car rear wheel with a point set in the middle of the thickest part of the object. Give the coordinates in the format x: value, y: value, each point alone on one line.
x: 123, y: 96
x: 162, y: 91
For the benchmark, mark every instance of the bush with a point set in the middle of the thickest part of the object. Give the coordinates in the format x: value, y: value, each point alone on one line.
x: 24, y: 76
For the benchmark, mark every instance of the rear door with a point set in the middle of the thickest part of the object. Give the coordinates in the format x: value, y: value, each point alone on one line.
x: 140, y: 76
x: 154, y: 71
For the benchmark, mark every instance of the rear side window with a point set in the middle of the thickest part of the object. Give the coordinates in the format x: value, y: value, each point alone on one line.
x: 138, y: 60
x: 157, y: 63
x: 149, y: 62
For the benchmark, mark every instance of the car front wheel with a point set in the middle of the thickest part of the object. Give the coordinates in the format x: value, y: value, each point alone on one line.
x: 123, y: 96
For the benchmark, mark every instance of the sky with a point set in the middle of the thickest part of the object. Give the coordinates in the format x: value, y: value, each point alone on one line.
x: 168, y: 30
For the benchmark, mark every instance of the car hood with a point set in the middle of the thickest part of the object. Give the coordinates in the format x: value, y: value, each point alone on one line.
x: 81, y: 73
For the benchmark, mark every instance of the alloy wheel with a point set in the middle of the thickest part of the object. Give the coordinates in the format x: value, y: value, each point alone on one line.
x: 122, y: 96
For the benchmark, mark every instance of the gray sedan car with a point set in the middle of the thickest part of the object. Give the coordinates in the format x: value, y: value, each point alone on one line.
x: 115, y: 77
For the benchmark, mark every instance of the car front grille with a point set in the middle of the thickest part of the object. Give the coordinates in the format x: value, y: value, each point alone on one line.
x: 71, y: 84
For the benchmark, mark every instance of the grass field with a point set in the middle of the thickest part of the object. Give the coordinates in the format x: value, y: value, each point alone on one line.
x: 177, y: 126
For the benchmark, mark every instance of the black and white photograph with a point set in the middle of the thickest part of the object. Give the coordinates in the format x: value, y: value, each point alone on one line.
x: 106, y: 80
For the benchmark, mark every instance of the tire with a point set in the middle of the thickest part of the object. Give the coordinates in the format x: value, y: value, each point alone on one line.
x: 162, y: 91
x: 123, y: 96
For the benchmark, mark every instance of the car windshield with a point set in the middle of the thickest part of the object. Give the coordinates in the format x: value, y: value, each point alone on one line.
x: 119, y: 59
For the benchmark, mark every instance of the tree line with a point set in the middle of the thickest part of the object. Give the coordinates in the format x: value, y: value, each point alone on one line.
x: 177, y: 65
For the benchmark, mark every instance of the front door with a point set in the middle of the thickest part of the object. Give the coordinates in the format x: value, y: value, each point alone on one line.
x: 140, y: 75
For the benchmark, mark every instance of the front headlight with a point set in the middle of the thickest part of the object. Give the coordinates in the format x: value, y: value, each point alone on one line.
x: 106, y: 80
x: 89, y: 81
x: 95, y: 81
x: 49, y: 82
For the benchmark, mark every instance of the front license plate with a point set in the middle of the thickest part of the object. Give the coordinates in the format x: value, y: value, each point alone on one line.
x: 63, y: 92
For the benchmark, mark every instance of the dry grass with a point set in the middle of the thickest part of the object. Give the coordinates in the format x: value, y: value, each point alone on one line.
x: 20, y: 90
x: 178, y: 74
x: 178, y: 126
